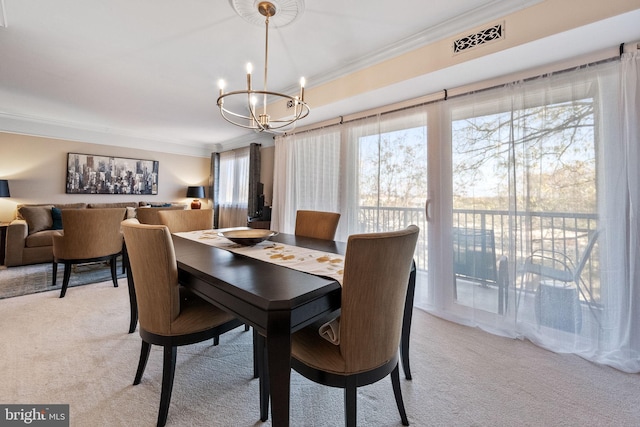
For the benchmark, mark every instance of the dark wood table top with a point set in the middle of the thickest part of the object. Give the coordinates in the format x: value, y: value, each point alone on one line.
x: 262, y: 285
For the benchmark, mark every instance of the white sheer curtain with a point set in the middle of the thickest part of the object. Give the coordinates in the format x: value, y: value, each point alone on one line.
x: 620, y: 216
x: 234, y: 188
x: 306, y: 176
x: 517, y: 157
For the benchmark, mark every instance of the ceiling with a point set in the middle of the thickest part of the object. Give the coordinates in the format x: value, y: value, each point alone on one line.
x: 144, y: 73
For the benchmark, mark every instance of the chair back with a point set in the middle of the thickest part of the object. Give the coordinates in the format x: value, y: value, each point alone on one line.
x: 155, y: 275
x: 89, y: 233
x: 186, y: 220
x: 585, y: 255
x: 149, y: 215
x: 376, y: 275
x: 316, y: 224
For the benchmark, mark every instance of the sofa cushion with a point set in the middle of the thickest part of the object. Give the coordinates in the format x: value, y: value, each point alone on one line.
x: 38, y: 217
x: 56, y: 216
x: 40, y: 239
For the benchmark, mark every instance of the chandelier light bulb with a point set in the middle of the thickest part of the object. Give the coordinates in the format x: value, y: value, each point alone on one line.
x: 246, y: 117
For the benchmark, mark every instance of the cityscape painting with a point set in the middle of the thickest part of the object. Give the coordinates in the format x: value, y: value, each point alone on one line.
x: 91, y: 174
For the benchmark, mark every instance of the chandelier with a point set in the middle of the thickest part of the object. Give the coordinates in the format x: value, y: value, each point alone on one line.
x: 245, y: 110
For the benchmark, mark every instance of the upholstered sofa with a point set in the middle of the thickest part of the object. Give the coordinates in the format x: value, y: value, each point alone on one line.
x: 30, y: 236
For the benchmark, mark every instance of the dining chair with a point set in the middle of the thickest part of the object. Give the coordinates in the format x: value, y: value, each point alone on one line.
x: 89, y: 235
x: 165, y: 317
x: 365, y: 349
x: 179, y: 221
x: 316, y: 224
x: 186, y: 220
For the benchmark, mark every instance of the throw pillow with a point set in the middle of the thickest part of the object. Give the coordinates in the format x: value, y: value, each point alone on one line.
x: 131, y: 212
x: 56, y: 217
x: 38, y: 217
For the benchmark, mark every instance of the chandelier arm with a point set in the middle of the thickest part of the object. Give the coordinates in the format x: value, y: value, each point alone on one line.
x: 262, y: 122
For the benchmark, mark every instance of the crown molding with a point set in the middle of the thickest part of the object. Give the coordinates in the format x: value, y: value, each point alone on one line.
x: 486, y: 13
x: 46, y: 128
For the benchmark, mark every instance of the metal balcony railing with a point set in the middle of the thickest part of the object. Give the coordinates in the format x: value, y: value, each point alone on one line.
x: 517, y: 235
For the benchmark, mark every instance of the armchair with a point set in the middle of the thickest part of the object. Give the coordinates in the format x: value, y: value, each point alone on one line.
x: 89, y: 235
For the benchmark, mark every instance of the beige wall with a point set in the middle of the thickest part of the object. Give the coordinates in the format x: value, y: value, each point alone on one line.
x: 36, y: 170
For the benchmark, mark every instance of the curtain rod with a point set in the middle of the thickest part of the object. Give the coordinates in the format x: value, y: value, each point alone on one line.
x: 600, y: 57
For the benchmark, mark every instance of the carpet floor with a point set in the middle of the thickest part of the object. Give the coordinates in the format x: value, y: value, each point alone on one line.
x: 77, y: 351
x: 30, y: 279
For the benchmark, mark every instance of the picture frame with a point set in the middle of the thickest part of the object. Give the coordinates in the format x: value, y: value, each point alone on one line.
x: 97, y: 174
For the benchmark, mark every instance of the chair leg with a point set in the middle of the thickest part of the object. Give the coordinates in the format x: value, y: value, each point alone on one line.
x: 55, y: 273
x: 216, y: 340
x: 260, y: 369
x: 350, y: 403
x: 168, y: 371
x: 144, y: 356
x: 114, y: 271
x: 65, y: 279
x: 395, y: 382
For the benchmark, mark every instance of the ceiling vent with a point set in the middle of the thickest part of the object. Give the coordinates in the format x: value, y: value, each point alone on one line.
x: 481, y: 37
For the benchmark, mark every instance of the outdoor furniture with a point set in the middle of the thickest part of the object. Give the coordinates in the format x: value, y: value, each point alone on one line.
x: 474, y: 259
x: 555, y: 267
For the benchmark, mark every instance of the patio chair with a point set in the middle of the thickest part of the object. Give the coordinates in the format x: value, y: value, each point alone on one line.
x: 556, y: 266
x: 474, y: 259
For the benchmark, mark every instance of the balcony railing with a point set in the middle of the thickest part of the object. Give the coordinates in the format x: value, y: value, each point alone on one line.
x: 516, y: 235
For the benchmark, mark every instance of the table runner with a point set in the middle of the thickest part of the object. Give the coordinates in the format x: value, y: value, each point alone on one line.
x: 302, y: 259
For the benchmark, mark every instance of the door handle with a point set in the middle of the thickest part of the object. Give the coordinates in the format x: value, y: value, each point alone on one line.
x: 426, y: 209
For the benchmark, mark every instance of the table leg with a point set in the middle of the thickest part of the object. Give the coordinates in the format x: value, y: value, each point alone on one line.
x: 279, y: 365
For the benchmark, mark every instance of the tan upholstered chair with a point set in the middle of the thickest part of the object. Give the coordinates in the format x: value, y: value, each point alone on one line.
x: 89, y: 235
x: 166, y: 318
x: 376, y: 274
x: 186, y: 220
x: 317, y: 224
x: 149, y: 215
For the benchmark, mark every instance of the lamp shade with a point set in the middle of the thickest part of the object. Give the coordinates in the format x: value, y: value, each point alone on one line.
x: 4, y: 188
x: 196, y: 192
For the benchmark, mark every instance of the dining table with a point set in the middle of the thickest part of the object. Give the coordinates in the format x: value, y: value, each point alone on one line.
x: 273, y: 299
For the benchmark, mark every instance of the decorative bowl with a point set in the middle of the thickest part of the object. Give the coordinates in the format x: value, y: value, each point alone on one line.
x: 248, y: 237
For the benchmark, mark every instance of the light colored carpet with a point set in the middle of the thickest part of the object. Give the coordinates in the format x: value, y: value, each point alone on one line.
x: 77, y: 350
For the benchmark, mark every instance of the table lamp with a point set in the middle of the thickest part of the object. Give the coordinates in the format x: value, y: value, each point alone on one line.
x: 195, y: 192
x: 4, y: 188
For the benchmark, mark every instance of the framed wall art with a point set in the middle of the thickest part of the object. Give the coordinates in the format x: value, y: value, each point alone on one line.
x: 93, y: 174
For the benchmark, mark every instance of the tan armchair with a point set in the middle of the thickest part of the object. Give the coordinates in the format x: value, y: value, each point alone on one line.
x: 316, y: 224
x: 376, y: 274
x: 166, y: 318
x: 186, y: 220
x: 89, y: 235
